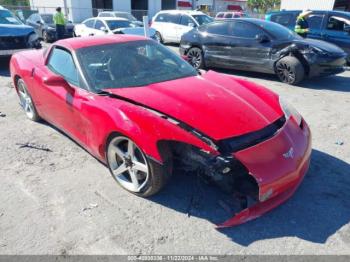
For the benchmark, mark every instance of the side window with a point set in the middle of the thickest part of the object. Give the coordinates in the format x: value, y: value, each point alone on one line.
x: 246, y: 30
x: 315, y: 21
x: 61, y: 62
x: 36, y: 18
x: 89, y: 23
x: 228, y: 15
x: 220, y: 15
x: 283, y: 19
x: 338, y: 23
x: 31, y: 18
x: 186, y: 20
x: 174, y: 18
x: 99, y: 24
x: 218, y: 28
x: 162, y: 18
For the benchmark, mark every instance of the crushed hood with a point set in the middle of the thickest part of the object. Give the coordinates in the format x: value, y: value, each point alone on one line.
x: 325, y: 46
x: 218, y: 105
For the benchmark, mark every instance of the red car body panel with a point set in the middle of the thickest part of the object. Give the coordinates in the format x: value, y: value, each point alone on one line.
x: 230, y: 109
x: 277, y: 174
x: 218, y: 105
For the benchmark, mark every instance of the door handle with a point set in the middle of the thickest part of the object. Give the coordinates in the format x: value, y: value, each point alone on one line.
x: 92, y: 34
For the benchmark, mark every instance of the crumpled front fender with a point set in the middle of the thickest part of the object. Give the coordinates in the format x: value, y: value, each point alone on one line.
x: 278, y: 165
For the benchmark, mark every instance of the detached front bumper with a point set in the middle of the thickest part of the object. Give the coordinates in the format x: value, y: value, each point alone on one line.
x: 325, y: 66
x: 278, y: 165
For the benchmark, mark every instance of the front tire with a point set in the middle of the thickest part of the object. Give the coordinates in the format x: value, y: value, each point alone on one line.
x: 132, y: 170
x: 26, y: 101
x: 290, y: 70
x: 196, y: 58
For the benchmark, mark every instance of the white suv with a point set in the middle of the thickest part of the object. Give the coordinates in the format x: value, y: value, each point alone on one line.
x: 170, y: 25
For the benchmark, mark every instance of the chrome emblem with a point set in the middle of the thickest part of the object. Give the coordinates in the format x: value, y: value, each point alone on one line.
x: 289, y: 154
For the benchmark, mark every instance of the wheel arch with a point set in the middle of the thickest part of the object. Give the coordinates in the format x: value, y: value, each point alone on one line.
x: 297, y: 55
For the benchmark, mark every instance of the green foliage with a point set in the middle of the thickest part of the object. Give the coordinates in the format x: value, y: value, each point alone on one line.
x: 14, y: 2
x: 262, y: 6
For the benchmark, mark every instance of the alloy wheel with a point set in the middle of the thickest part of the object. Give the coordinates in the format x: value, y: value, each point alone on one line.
x: 128, y: 164
x: 45, y: 37
x: 195, y: 57
x: 285, y: 73
x: 26, y: 100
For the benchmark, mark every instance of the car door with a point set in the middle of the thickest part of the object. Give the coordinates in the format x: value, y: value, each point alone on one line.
x: 316, y: 25
x: 337, y: 30
x: 61, y: 105
x: 250, y: 47
x: 186, y: 24
x: 216, y: 39
x: 170, y: 29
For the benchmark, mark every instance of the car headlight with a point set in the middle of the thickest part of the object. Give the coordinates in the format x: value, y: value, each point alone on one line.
x: 313, y: 50
x: 290, y: 111
x: 50, y: 28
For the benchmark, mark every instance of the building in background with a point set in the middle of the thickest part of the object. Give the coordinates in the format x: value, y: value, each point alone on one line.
x: 78, y: 10
x: 343, y: 5
x: 229, y: 5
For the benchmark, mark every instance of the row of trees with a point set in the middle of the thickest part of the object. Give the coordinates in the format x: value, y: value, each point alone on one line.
x: 262, y: 6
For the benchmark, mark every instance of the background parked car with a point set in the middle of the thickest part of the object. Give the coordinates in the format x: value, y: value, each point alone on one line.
x: 230, y: 15
x: 109, y: 25
x: 45, y: 28
x: 261, y: 46
x: 172, y: 24
x: 14, y: 35
x: 119, y: 14
x: 330, y: 26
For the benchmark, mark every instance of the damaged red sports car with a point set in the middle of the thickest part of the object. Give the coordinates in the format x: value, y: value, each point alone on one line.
x: 141, y: 110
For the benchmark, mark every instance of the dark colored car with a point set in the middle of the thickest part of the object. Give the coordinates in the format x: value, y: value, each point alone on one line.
x: 261, y: 46
x: 45, y: 28
x: 330, y: 26
x: 14, y: 35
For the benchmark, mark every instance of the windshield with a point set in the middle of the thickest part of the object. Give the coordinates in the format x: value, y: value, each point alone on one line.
x: 7, y: 18
x: 203, y: 19
x: 131, y: 64
x: 128, y: 16
x: 48, y: 19
x: 112, y: 24
x: 278, y: 31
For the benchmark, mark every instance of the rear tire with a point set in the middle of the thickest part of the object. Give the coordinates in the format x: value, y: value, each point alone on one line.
x: 290, y: 70
x: 26, y: 101
x: 132, y: 170
x: 196, y: 58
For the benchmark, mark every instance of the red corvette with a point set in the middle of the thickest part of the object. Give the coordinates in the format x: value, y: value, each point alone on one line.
x: 141, y: 109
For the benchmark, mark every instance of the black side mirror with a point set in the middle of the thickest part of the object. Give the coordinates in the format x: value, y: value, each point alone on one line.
x: 261, y: 38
